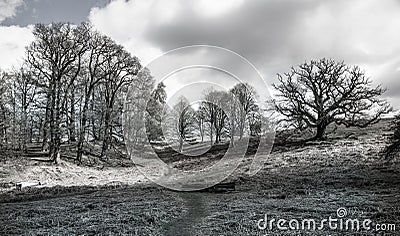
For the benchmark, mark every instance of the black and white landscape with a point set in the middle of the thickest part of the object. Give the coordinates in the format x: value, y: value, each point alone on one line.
x: 184, y: 117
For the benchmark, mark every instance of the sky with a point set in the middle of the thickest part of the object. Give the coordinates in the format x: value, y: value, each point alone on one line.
x: 273, y: 35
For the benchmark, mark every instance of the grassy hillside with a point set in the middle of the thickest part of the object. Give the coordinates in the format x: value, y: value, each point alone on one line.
x: 301, y: 181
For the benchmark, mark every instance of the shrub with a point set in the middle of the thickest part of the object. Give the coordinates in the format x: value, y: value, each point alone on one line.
x: 393, y: 147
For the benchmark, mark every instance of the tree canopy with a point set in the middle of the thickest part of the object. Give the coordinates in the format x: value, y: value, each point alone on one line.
x: 319, y: 93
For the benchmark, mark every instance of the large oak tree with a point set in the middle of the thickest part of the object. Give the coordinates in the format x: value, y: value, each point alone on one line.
x: 319, y: 93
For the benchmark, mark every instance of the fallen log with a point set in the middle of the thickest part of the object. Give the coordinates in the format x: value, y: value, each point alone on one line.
x: 222, y: 188
x: 41, y: 159
x: 218, y: 188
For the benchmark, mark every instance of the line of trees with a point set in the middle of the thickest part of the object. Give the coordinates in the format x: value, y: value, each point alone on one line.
x: 221, y: 116
x: 73, y: 80
x: 70, y: 88
x: 312, y: 96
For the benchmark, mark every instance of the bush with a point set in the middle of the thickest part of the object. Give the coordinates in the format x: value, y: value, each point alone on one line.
x: 394, y: 141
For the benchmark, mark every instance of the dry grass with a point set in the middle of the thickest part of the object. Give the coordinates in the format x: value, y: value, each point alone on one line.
x: 123, y: 210
x: 306, y: 181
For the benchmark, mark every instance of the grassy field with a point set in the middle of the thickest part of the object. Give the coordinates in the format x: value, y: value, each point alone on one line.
x: 298, y: 182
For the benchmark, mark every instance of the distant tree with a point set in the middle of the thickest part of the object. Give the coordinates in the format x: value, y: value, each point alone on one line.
x: 246, y: 95
x: 394, y: 141
x: 234, y: 110
x: 200, y: 121
x: 155, y: 112
x: 323, y: 92
x: 208, y: 110
x: 184, y: 115
x: 25, y: 93
x: 138, y: 109
x: 255, y: 122
x: 4, y: 109
x: 215, y: 102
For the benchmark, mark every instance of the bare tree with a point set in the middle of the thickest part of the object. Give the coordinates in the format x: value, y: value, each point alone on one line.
x: 119, y: 70
x: 235, y: 113
x: 25, y: 92
x: 53, y: 55
x: 71, y: 117
x: 135, y: 107
x: 200, y: 120
x: 91, y: 77
x: 246, y: 95
x: 184, y: 115
x: 255, y: 120
x: 71, y: 73
x: 209, y: 112
x: 323, y: 92
x: 155, y: 109
x: 4, y: 110
x: 216, y: 116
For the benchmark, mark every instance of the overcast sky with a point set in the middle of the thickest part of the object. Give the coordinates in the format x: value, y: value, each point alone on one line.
x: 272, y: 34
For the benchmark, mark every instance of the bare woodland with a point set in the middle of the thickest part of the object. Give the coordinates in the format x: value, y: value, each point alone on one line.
x: 69, y: 89
x: 72, y: 84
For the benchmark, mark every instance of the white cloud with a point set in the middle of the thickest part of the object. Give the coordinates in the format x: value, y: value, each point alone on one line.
x: 127, y: 21
x: 8, y: 8
x: 13, y: 41
x: 364, y: 33
x: 212, y: 8
x: 274, y: 34
x: 360, y: 31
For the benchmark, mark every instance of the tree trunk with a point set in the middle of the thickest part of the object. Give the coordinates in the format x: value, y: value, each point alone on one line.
x: 72, y: 132
x: 24, y: 129
x: 241, y: 125
x: 211, y: 135
x: 31, y: 130
x: 51, y: 120
x: 44, y: 130
x: 201, y: 129
x: 56, y: 141
x: 82, y: 131
x: 241, y: 131
x: 92, y: 118
x: 216, y: 135
x: 46, y: 122
x: 107, y: 133
x: 180, y: 143
x: 3, y: 130
x: 40, y: 130
x: 14, y: 122
x: 233, y: 135
x: 320, y: 132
